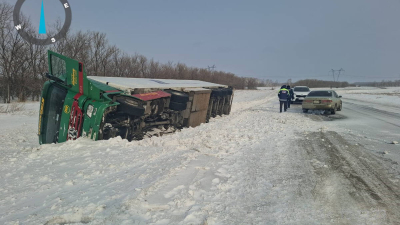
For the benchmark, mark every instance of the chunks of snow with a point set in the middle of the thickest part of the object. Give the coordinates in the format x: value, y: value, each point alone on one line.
x: 244, y: 168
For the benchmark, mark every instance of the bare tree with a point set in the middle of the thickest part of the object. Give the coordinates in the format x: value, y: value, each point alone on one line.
x: 23, y: 65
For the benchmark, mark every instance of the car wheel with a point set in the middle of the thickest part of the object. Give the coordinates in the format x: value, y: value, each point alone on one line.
x: 340, y: 107
x: 305, y: 110
x: 333, y: 111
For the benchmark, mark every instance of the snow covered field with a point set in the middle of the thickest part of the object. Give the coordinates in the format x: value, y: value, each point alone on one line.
x: 389, y: 95
x: 255, y: 166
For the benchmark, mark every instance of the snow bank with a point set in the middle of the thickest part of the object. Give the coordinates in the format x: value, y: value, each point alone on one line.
x: 237, y: 169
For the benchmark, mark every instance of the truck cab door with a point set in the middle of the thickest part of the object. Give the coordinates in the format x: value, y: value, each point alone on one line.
x: 68, y: 72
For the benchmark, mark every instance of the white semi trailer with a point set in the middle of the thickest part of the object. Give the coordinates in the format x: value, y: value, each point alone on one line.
x: 197, y: 100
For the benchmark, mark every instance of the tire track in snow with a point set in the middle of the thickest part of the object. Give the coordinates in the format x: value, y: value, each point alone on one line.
x: 352, y: 184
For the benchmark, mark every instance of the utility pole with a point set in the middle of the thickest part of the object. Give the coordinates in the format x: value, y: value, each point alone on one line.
x: 333, y: 74
x: 211, y: 68
x: 341, y: 70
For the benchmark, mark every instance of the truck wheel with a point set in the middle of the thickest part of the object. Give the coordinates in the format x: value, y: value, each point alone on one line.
x: 127, y: 106
x: 178, y: 97
x: 305, y: 110
x: 177, y: 106
x: 217, y: 92
x: 225, y: 92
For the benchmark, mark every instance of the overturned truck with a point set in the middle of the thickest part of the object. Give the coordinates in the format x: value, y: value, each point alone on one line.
x: 74, y: 105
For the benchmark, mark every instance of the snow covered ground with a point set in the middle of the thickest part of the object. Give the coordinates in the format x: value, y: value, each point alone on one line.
x: 255, y: 166
x: 389, y: 95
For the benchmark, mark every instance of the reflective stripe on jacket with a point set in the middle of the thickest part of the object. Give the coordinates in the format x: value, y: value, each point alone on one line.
x: 283, y: 94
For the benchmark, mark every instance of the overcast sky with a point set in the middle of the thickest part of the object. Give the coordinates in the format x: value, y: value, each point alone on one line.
x: 278, y: 39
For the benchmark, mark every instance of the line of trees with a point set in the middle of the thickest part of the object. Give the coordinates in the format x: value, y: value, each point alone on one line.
x: 23, y: 65
x: 383, y: 83
x: 322, y: 83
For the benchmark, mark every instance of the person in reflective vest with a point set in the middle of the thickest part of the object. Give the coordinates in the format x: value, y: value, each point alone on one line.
x: 291, y: 96
x: 283, y: 95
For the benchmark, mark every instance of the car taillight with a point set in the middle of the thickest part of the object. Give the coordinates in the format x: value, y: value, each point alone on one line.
x: 308, y: 101
x: 326, y: 101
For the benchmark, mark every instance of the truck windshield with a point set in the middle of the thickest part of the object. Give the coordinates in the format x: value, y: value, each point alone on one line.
x: 52, y: 113
x: 302, y: 89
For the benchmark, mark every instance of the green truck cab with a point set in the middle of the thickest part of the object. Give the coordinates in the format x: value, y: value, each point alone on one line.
x: 73, y: 105
x: 70, y: 103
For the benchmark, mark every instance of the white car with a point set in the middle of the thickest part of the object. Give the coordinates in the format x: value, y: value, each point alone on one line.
x: 300, y: 92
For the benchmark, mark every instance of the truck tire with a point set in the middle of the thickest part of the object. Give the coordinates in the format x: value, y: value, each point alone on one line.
x: 223, y: 92
x: 178, y: 97
x: 177, y: 106
x: 127, y: 107
x: 217, y: 93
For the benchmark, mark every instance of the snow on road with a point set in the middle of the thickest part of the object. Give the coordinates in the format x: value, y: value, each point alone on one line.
x: 389, y: 96
x: 255, y: 166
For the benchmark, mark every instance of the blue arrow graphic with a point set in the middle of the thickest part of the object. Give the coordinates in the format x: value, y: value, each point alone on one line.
x: 42, y: 26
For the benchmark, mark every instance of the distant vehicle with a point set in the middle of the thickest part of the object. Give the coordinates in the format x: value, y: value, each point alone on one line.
x: 323, y: 99
x: 300, y: 92
x: 74, y: 105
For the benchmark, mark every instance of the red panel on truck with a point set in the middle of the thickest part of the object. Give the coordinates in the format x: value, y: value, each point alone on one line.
x: 152, y: 95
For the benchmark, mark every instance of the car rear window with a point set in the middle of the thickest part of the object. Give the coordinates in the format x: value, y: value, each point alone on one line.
x: 304, y: 89
x: 320, y: 94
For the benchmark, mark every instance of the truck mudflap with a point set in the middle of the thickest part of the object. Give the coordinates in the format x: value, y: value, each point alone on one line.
x: 75, y: 120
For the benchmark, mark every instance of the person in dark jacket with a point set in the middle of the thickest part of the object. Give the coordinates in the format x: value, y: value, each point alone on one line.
x: 291, y: 95
x: 283, y: 95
